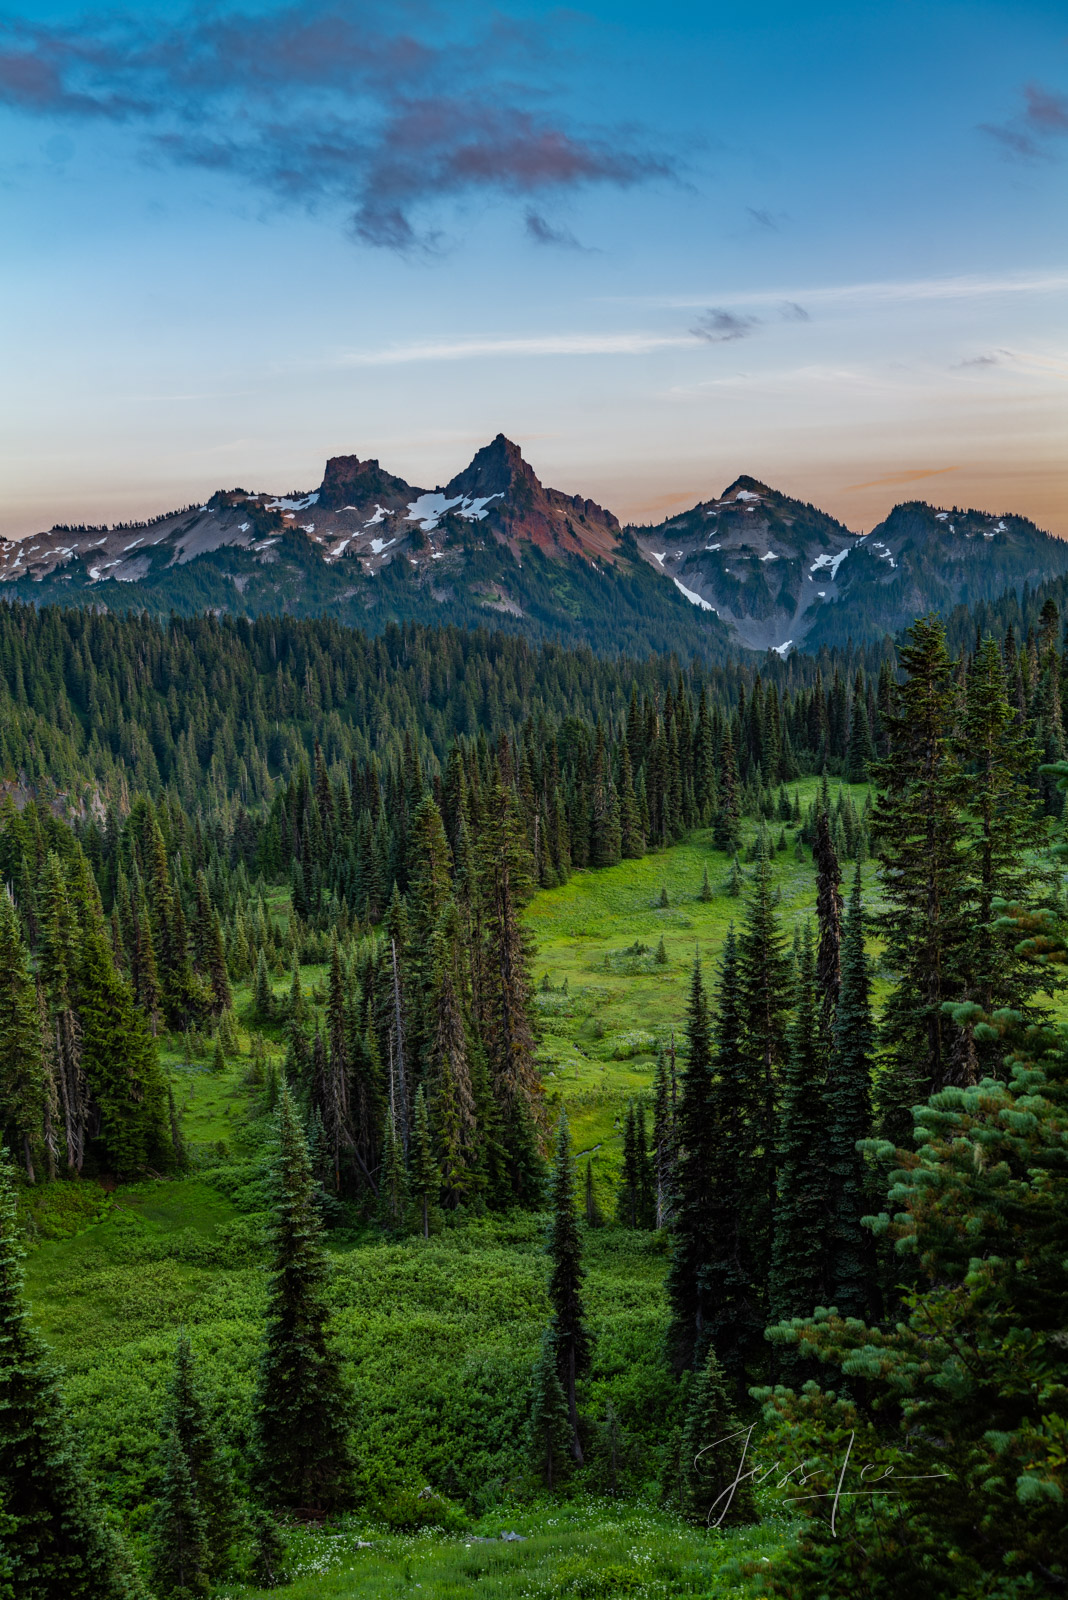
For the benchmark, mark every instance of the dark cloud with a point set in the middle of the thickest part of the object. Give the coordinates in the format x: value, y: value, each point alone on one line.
x: 763, y: 219
x: 543, y: 232
x: 721, y: 327
x: 1027, y: 135
x: 792, y: 312
x: 980, y: 361
x: 331, y: 104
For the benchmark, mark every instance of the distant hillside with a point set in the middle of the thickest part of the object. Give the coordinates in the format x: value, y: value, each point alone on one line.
x: 784, y: 575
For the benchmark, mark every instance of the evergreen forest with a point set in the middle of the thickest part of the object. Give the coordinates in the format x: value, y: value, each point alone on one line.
x: 486, y: 1116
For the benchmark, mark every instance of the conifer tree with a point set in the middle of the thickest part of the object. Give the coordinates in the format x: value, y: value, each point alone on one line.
x: 262, y: 992
x: 705, y: 891
x: 726, y: 827
x: 425, y: 1180
x: 180, y: 1552
x: 393, y: 1178
x: 664, y: 1137
x: 57, y: 965
x: 507, y: 999
x: 918, y: 830
x: 630, y: 1178
x: 449, y: 1049
x: 799, y: 1257
x: 695, y: 1136
x: 22, y: 1076
x: 998, y: 758
x: 733, y: 1274
x: 764, y: 1000
x: 549, y: 1431
x: 850, y: 1265
x: 829, y: 919
x: 302, y: 1406
x: 571, y: 1338
x: 712, y: 1446
x: 55, y: 1538
x: 186, y: 1418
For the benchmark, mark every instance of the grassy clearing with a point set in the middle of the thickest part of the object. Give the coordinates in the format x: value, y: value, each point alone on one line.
x: 587, y: 1549
x: 438, y: 1337
x: 600, y: 1034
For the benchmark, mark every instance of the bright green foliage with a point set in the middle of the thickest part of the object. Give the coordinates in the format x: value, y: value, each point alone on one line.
x: 23, y: 1098
x: 425, y: 1176
x: 799, y: 1255
x: 850, y: 1264
x: 301, y: 1417
x: 180, y: 1552
x: 713, y: 1447
x: 570, y: 1336
x: 56, y: 1542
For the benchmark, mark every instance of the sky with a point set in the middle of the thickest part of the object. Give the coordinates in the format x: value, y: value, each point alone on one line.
x: 657, y: 245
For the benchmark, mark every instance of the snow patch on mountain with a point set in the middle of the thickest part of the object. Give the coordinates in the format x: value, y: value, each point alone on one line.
x: 695, y: 599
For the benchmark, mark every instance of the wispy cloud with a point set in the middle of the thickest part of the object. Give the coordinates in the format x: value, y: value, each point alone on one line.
x: 330, y: 103
x: 544, y: 232
x: 1029, y: 133
x: 564, y: 344
x: 718, y: 326
x: 902, y: 291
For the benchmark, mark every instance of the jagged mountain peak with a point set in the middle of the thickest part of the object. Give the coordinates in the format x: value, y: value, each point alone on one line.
x: 494, y: 470
x: 350, y: 482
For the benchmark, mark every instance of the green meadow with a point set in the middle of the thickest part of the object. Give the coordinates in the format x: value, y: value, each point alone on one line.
x: 440, y: 1335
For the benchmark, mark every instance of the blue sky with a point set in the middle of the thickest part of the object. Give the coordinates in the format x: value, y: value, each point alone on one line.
x: 656, y: 245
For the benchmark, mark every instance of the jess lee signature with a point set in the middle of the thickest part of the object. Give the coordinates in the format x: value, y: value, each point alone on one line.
x: 799, y: 1476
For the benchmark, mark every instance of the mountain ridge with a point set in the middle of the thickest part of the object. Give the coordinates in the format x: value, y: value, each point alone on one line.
x: 751, y: 567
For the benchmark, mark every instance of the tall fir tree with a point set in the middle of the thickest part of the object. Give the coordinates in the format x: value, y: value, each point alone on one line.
x: 186, y: 1419
x: 302, y: 1408
x: 22, y: 1072
x: 850, y: 1269
x: 507, y: 1000
x: 549, y: 1431
x: 765, y: 994
x: 797, y: 1283
x: 571, y: 1338
x: 695, y: 1138
x: 425, y: 1178
x: 179, y: 1551
x: 712, y: 1445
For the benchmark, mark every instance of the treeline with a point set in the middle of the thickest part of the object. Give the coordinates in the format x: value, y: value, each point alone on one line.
x: 217, y: 714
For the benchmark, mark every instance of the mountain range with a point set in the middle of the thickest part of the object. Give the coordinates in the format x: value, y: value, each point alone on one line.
x: 752, y: 568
